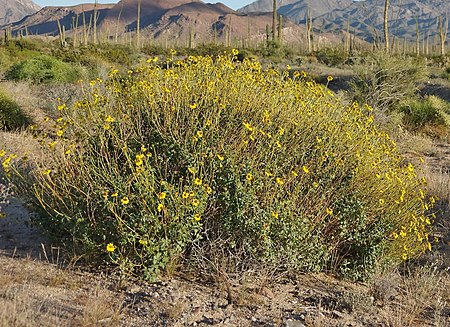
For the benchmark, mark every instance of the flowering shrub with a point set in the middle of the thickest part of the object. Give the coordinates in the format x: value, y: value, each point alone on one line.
x: 11, y: 115
x: 5, y: 193
x: 211, y: 151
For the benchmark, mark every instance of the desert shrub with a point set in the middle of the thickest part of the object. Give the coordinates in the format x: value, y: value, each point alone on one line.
x: 275, y: 51
x: 446, y: 73
x: 11, y: 115
x: 163, y: 163
x: 420, y: 112
x: 385, y: 80
x: 332, y: 56
x: 42, y: 69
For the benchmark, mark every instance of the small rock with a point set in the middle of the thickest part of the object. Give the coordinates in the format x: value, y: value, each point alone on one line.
x: 294, y: 323
x: 267, y: 293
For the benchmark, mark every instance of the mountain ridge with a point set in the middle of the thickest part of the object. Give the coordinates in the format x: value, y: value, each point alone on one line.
x: 14, y: 10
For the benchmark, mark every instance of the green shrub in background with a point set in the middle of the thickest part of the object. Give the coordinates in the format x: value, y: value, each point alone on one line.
x: 428, y: 111
x: 332, y: 56
x: 11, y: 115
x: 43, y: 69
x: 420, y: 112
x: 446, y: 74
x: 384, y: 80
x: 190, y: 159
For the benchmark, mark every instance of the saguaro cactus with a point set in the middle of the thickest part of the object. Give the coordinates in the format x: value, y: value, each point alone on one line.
x: 138, y: 26
x: 274, y: 20
x: 309, y: 29
x: 386, y: 31
x: 443, y: 30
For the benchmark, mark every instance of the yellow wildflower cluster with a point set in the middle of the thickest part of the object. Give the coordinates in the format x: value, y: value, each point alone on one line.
x: 265, y: 160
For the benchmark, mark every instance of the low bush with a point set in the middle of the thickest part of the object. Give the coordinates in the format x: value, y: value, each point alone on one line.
x: 43, y: 69
x: 11, y: 115
x: 385, y: 80
x: 446, y: 74
x: 333, y: 56
x: 419, y: 112
x: 157, y: 166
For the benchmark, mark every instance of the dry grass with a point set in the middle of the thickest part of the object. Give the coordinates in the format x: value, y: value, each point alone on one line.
x: 418, y: 297
x: 438, y: 182
x: 26, y: 97
x: 34, y: 293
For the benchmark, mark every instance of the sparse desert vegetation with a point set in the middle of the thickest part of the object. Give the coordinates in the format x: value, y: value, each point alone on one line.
x: 221, y: 185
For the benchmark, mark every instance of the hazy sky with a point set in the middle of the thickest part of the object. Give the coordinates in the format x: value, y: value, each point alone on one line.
x: 235, y: 4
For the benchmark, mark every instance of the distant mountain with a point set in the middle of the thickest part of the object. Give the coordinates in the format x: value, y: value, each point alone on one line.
x: 365, y: 17
x: 295, y: 9
x: 45, y: 21
x: 13, y: 10
x: 174, y: 21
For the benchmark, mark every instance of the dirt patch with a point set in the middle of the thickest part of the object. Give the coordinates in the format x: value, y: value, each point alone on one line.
x: 17, y: 236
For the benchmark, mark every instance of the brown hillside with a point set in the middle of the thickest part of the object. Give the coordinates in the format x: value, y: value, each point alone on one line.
x: 14, y: 10
x: 125, y: 11
x: 45, y: 21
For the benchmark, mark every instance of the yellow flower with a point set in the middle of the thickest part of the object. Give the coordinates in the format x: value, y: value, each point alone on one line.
x: 249, y: 177
x: 110, y: 247
x: 275, y: 214
x: 315, y: 185
x: 220, y: 157
x: 162, y: 195
x: 198, y: 181
x: 193, y: 105
x: 106, y: 127
x: 109, y: 119
x: 115, y: 195
x: 160, y: 207
x: 61, y: 107
x: 281, y: 131
x: 199, y: 134
x: 46, y: 172
x: 195, y: 202
x: 268, y: 174
x: 305, y: 169
x: 329, y: 211
x: 173, y: 52
x: 329, y: 78
x: 125, y: 200
x: 279, y: 181
x: 143, y: 242
x: 381, y: 201
x: 208, y: 190
x: 404, y: 256
x: 197, y: 217
x: 248, y: 126
x: 294, y: 173
x: 185, y: 195
x: 2, y: 153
